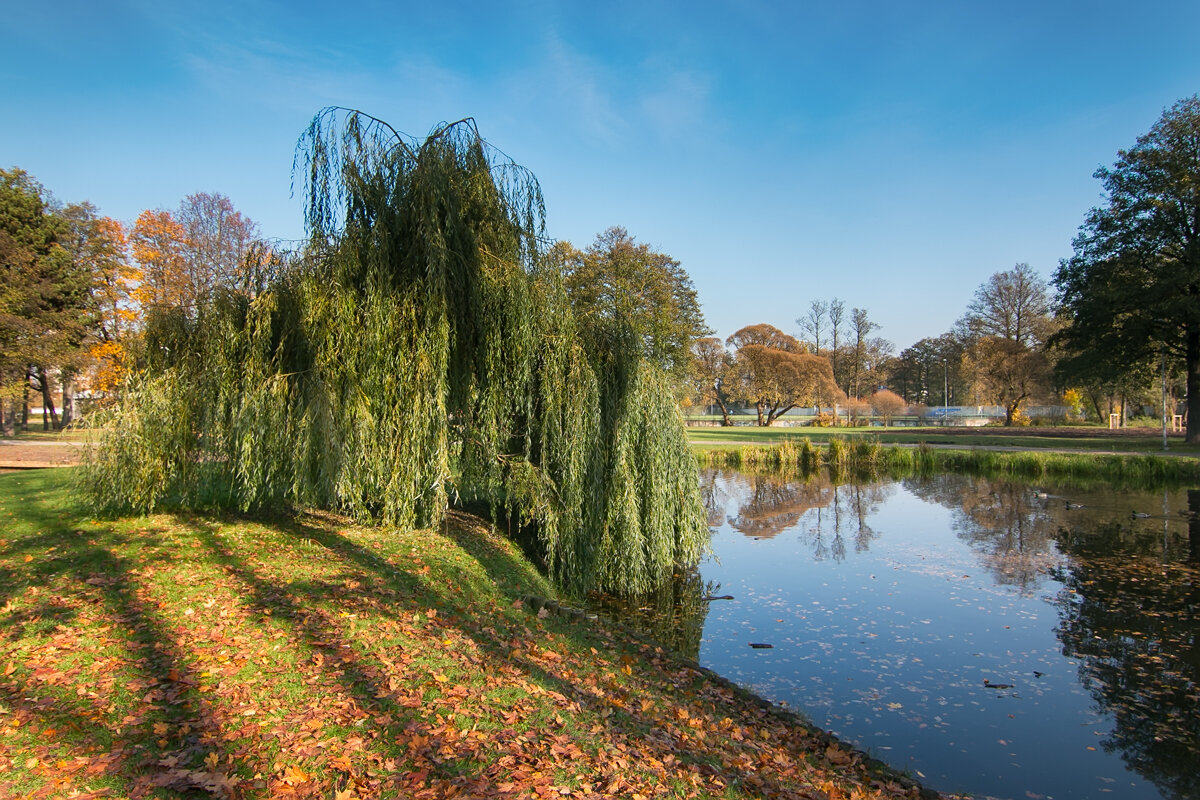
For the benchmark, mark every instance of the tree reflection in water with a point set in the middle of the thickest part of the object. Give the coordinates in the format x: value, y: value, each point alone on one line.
x: 673, y: 615
x: 1009, y: 524
x: 821, y: 511
x: 1129, y: 611
x: 1124, y: 588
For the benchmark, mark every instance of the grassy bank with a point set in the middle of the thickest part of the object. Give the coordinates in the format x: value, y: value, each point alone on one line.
x: 1082, y: 439
x: 180, y: 655
x: 868, y: 456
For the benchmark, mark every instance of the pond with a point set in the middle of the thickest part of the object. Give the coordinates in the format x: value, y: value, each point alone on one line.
x: 985, y: 635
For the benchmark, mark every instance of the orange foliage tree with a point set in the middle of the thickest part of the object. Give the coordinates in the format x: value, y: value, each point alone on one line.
x: 774, y: 374
x: 887, y: 404
x: 99, y: 247
x: 158, y: 242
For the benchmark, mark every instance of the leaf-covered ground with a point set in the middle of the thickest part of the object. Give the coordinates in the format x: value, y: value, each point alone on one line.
x: 177, y: 655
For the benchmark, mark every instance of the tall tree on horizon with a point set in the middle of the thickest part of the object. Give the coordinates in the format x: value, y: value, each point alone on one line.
x: 44, y: 308
x: 1131, y: 291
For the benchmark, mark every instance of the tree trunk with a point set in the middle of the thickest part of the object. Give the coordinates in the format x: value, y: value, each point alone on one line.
x: 25, y: 401
x: 8, y: 417
x: 68, y: 397
x: 726, y: 422
x: 1192, y: 361
x: 47, y: 401
x: 759, y: 408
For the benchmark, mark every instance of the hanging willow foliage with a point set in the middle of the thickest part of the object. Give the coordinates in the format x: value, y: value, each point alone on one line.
x: 420, y: 347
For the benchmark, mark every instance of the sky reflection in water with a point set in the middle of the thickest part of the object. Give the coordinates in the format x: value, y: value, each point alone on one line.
x: 977, y: 632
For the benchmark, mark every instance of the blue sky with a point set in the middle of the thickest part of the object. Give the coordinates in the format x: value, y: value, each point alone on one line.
x: 892, y: 154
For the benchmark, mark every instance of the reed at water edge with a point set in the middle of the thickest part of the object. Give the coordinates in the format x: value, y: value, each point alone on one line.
x: 867, y: 457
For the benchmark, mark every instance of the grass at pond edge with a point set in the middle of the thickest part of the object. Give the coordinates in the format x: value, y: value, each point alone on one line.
x: 1099, y: 440
x: 195, y: 655
x: 867, y: 456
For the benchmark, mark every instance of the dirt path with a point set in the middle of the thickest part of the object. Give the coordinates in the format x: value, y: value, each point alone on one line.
x: 15, y: 454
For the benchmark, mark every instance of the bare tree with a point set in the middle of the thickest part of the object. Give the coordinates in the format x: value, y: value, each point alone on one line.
x: 837, y: 313
x: 1012, y: 305
x: 812, y: 324
x: 862, y: 327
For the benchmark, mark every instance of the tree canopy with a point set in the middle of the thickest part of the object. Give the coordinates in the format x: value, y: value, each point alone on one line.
x: 1131, y: 291
x: 420, y: 350
x: 45, y: 309
x: 619, y: 287
x: 1004, y: 329
x: 772, y: 372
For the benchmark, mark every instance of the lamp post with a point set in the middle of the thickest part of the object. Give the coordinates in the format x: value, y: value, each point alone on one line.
x: 945, y: 390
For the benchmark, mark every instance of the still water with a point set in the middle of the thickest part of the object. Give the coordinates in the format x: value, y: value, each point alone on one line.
x: 986, y: 635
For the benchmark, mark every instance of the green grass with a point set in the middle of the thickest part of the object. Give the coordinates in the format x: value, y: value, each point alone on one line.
x: 1087, y: 439
x: 36, y: 434
x: 866, y: 457
x: 189, y: 655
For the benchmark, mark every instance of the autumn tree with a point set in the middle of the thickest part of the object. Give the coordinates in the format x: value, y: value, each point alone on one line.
x: 219, y: 240
x: 1131, y: 291
x: 862, y: 326
x: 157, y: 243
x: 712, y: 373
x: 774, y: 374
x: 887, y: 404
x: 203, y: 246
x: 98, y: 247
x: 1006, y: 326
x: 1006, y: 373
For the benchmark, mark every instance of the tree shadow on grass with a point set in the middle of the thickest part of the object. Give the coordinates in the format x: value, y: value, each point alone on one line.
x: 430, y: 693
x: 169, y: 740
x: 415, y: 717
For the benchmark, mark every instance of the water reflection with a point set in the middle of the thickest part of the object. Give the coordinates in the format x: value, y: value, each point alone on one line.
x: 673, y: 615
x: 827, y: 513
x: 890, y: 603
x: 1008, y: 523
x: 1128, y: 611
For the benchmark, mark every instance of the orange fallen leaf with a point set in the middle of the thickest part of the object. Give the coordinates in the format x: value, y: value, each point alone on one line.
x: 295, y: 776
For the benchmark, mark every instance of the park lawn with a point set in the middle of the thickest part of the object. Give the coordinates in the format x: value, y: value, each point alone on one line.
x: 191, y: 655
x: 1097, y: 439
x: 36, y: 434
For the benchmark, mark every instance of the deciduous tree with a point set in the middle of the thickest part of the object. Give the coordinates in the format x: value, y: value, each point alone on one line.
x: 1006, y: 373
x: 1132, y: 288
x: 219, y: 240
x: 97, y: 245
x: 813, y: 324
x: 1013, y: 305
x: 887, y: 404
x: 775, y: 375
x: 712, y: 372
x: 1006, y: 327
x: 158, y: 243
x: 620, y: 287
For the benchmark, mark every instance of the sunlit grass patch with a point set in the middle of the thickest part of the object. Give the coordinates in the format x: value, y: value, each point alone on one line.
x: 305, y: 656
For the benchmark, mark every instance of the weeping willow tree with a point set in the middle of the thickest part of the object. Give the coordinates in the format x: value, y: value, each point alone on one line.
x: 420, y: 348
